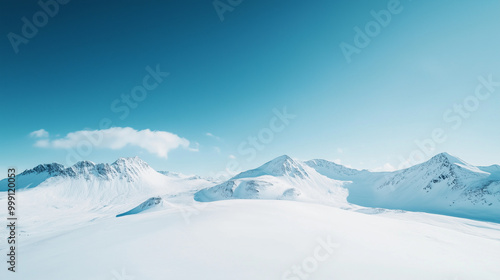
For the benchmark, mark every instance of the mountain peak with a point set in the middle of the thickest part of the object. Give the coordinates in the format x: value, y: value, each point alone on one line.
x: 449, y: 160
x: 130, y: 167
x: 125, y: 163
x: 50, y: 168
x: 130, y: 160
x: 84, y: 163
x: 282, y: 158
x: 447, y: 157
x: 280, y: 166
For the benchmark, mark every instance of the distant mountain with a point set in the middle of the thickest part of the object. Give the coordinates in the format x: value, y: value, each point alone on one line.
x: 33, y: 177
x: 281, y: 178
x: 186, y: 177
x: 333, y: 170
x: 443, y: 185
x: 130, y: 169
x: 280, y: 166
x: 127, y: 180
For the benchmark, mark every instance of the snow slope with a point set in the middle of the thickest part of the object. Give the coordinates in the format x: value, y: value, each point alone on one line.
x: 148, y: 205
x: 263, y: 239
x: 334, y: 170
x: 284, y: 220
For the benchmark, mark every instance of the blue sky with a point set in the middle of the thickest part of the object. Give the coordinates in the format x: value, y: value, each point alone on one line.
x: 228, y: 78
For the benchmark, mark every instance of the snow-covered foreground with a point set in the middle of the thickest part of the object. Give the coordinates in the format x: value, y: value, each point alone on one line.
x: 286, y: 219
x: 262, y: 239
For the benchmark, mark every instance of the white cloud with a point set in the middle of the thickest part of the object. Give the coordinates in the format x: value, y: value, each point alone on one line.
x: 196, y: 147
x: 41, y: 133
x: 155, y: 142
x: 217, y: 150
x: 232, y: 157
x: 42, y: 143
x: 213, y: 136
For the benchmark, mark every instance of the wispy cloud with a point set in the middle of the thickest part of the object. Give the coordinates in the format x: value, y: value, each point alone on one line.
x: 194, y: 147
x: 155, y: 142
x: 41, y: 133
x: 213, y: 136
x: 42, y: 143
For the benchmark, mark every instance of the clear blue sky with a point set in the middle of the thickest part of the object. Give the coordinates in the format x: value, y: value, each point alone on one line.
x: 226, y: 77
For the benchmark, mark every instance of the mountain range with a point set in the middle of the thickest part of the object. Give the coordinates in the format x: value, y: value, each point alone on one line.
x: 442, y: 185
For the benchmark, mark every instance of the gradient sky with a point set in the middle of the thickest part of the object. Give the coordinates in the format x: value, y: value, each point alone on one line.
x: 226, y: 77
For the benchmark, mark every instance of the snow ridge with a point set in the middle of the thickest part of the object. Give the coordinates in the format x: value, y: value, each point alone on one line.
x: 280, y: 166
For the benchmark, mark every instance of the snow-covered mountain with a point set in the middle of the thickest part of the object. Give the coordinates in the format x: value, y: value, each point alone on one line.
x: 280, y: 166
x: 123, y: 176
x: 130, y: 169
x: 333, y: 170
x: 87, y: 185
x: 187, y: 177
x: 443, y: 185
x: 33, y: 177
x: 87, y: 190
x: 281, y: 178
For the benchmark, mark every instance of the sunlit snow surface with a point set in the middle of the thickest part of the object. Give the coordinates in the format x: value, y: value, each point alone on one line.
x: 261, y: 239
x: 69, y: 229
